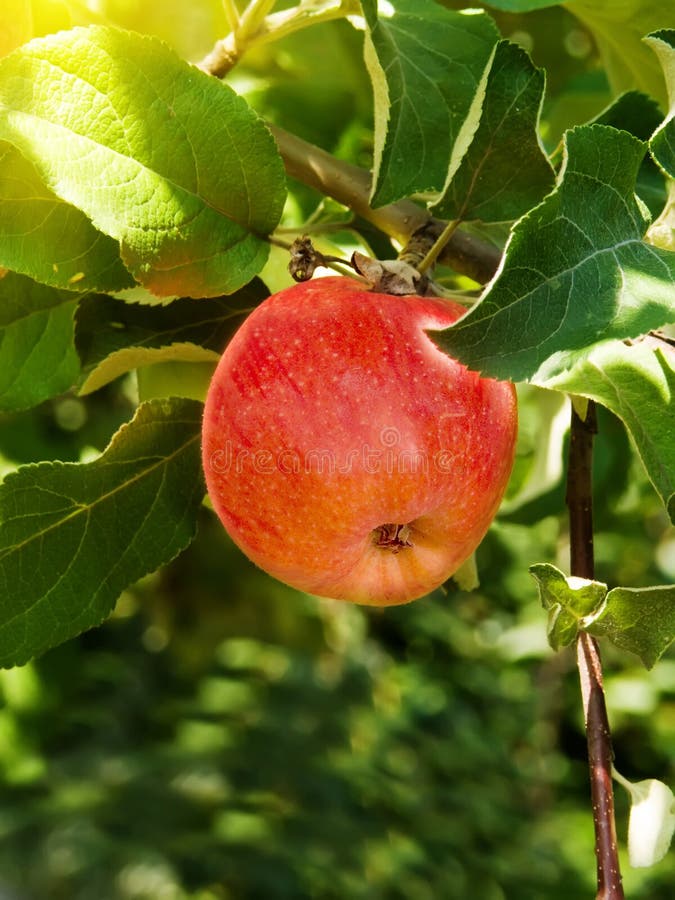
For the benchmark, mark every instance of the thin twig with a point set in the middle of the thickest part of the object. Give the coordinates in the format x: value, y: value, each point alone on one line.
x: 258, y: 25
x: 231, y: 14
x: 437, y: 249
x: 600, y: 755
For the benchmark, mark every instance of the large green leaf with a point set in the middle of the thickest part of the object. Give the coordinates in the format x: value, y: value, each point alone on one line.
x: 113, y: 337
x: 163, y: 158
x: 575, y: 272
x: 49, y: 240
x: 37, y: 350
x: 427, y: 65
x: 72, y: 537
x: 505, y: 171
x: 619, y: 29
x: 636, y: 381
x: 662, y: 144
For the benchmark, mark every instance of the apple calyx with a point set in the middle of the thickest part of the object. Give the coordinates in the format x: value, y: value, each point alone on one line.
x: 392, y: 537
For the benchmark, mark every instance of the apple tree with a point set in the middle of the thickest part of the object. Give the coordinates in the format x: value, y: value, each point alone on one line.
x: 154, y: 183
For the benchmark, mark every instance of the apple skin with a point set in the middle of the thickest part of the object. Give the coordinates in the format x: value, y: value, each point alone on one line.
x: 344, y: 453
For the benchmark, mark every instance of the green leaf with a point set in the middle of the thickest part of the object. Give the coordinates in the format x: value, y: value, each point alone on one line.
x: 176, y: 378
x: 17, y: 25
x: 640, y: 620
x: 112, y: 336
x: 640, y: 115
x: 619, y: 29
x: 575, y: 271
x: 45, y: 238
x: 521, y: 6
x: 637, y: 382
x: 632, y: 111
x: 662, y: 144
x: 73, y: 536
x: 427, y: 65
x: 651, y: 823
x: 165, y: 159
x: 569, y: 601
x: 539, y: 457
x: 37, y: 350
x: 505, y: 171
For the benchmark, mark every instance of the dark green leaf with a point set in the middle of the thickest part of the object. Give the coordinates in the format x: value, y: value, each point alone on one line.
x: 640, y: 115
x: 73, y: 536
x: 113, y: 337
x: 37, y: 351
x: 634, y: 112
x: 161, y: 157
x: 576, y: 270
x: 568, y: 599
x: 45, y: 238
x: 505, y: 171
x: 427, y: 65
x: 641, y: 620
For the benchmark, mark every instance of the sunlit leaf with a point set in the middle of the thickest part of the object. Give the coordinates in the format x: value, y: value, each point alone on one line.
x: 637, y: 382
x: 113, y: 337
x: 505, y: 171
x: 73, y: 536
x: 17, y: 24
x: 548, y: 417
x: 662, y: 144
x: 618, y: 30
x: 641, y: 620
x: 49, y: 240
x: 576, y: 270
x: 652, y: 820
x: 162, y: 157
x: 37, y: 349
x: 185, y: 376
x: 427, y: 65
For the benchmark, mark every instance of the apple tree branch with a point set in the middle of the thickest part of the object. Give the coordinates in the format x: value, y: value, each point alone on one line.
x: 600, y: 755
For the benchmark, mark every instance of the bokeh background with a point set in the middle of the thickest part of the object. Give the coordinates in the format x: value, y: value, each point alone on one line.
x: 223, y: 737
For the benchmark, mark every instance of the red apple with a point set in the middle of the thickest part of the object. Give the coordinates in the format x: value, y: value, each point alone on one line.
x: 345, y: 453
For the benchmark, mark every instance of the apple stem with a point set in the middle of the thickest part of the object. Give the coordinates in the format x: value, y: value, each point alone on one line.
x: 401, y: 221
x: 600, y: 755
x: 305, y: 259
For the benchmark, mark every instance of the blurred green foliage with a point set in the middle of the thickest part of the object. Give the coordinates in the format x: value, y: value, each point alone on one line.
x: 223, y: 736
